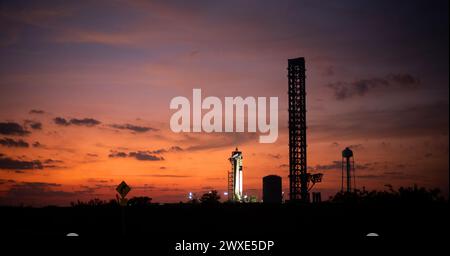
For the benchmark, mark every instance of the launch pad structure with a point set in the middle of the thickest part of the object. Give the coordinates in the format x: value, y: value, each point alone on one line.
x: 298, y: 177
x: 300, y: 181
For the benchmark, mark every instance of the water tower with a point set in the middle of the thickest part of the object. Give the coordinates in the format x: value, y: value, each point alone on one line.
x: 348, y: 164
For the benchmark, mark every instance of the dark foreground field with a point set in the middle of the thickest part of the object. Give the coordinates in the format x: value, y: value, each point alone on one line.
x: 289, y: 225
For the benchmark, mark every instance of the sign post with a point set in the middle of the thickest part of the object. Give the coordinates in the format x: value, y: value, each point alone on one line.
x: 123, y: 189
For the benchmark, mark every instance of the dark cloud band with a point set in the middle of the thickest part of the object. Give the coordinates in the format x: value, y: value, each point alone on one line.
x: 134, y: 128
x: 7, y: 163
x: 74, y: 121
x: 11, y: 128
x: 8, y: 142
x: 138, y: 155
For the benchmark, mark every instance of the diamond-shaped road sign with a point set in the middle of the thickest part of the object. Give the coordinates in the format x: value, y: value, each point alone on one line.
x: 123, y: 189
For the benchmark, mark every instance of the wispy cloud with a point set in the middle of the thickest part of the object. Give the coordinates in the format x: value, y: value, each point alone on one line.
x: 133, y: 128
x: 89, y: 122
x: 138, y: 155
x: 346, y: 90
x: 35, y: 125
x: 413, y: 121
x: 145, y: 156
x: 36, y: 111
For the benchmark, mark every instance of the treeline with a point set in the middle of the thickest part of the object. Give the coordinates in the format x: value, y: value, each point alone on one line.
x: 411, y: 195
x: 139, y: 201
x: 212, y: 197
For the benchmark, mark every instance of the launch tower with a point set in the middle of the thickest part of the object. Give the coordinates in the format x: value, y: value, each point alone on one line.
x: 298, y: 176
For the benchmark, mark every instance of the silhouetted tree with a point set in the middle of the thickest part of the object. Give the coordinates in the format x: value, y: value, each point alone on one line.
x: 212, y: 197
x: 95, y: 203
x: 112, y: 202
x: 140, y: 201
x: 193, y: 201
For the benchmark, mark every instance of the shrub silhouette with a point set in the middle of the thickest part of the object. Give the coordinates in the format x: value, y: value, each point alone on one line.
x: 413, y: 194
x: 211, y: 197
x: 140, y: 201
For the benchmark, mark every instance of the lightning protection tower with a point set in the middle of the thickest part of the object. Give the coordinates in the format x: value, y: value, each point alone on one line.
x: 298, y: 176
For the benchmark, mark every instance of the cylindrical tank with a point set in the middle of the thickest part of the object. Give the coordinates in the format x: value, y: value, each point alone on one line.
x: 272, y: 191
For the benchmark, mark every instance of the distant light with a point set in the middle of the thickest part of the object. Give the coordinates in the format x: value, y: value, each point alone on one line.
x: 72, y: 234
x: 372, y: 234
x: 225, y: 193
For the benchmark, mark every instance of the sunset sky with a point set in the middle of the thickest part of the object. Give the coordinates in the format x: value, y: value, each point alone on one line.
x: 85, y: 88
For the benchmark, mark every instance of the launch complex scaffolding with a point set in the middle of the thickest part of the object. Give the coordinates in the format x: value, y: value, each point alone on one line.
x: 300, y: 181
